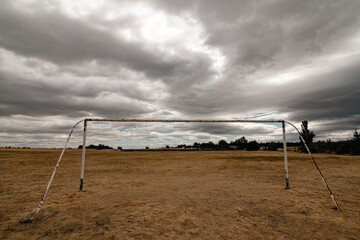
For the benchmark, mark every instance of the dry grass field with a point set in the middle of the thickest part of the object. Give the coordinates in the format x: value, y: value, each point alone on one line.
x: 178, y: 195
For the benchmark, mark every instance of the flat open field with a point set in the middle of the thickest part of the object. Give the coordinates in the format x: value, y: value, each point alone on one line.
x: 178, y: 195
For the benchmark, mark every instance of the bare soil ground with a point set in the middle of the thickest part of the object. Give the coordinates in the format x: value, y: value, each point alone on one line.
x: 178, y: 195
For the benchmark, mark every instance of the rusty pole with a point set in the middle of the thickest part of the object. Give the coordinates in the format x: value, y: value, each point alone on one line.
x: 57, y: 165
x: 83, y: 156
x: 285, y: 158
x: 317, y: 167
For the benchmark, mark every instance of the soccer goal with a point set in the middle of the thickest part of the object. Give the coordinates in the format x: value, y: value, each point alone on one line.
x: 85, y: 121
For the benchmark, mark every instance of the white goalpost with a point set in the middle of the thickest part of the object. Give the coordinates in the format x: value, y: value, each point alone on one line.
x: 283, y: 122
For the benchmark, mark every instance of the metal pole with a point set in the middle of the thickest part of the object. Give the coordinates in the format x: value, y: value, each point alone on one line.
x: 285, y: 157
x: 83, y: 157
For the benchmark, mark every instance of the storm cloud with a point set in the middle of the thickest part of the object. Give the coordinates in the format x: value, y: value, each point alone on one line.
x: 61, y: 61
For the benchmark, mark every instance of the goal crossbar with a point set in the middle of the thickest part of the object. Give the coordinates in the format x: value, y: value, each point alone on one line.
x: 283, y: 122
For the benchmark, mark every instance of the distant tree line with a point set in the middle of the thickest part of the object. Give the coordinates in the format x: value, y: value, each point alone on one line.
x: 351, y: 146
x: 240, y: 144
x: 98, y: 147
x: 16, y: 147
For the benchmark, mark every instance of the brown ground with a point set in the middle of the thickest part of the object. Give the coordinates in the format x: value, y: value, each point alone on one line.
x: 178, y: 195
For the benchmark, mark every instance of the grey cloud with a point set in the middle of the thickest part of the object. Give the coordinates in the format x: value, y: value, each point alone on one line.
x: 324, y: 129
x: 332, y: 95
x: 329, y: 96
x: 221, y: 129
x: 273, y: 36
x: 31, y: 128
x: 254, y: 33
x: 59, y: 39
x: 73, y: 44
x: 97, y: 73
x: 229, y: 129
x: 40, y: 99
x: 195, y: 72
x: 222, y: 98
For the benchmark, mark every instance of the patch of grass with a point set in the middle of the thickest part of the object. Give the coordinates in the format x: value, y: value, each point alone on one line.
x: 268, y: 158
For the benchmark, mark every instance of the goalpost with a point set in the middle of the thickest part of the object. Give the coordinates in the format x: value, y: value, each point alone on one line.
x: 287, y: 186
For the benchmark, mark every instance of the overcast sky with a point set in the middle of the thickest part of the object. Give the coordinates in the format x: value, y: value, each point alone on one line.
x: 62, y: 61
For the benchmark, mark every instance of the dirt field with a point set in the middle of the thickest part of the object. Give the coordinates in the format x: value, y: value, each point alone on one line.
x: 178, y: 195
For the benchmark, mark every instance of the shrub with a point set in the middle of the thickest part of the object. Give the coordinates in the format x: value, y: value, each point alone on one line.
x: 253, y: 146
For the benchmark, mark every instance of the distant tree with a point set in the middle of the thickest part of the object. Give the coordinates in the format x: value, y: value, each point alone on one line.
x: 253, y: 146
x: 98, y: 147
x: 273, y: 146
x: 223, y: 144
x: 356, y: 136
x: 240, y: 143
x: 307, y: 135
x: 146, y: 147
x: 355, y: 148
x: 120, y: 148
x: 103, y: 146
x: 167, y: 146
x: 209, y: 145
